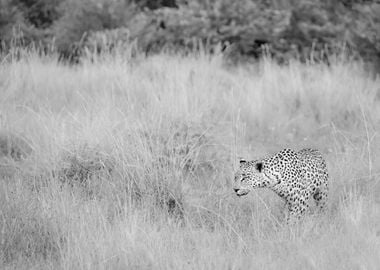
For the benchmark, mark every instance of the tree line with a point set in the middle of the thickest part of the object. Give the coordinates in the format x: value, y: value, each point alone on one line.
x: 244, y: 29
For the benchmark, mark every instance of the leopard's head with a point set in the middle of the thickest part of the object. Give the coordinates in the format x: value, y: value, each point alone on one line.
x: 250, y: 175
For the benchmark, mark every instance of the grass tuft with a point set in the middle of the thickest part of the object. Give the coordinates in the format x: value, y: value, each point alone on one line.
x: 130, y: 165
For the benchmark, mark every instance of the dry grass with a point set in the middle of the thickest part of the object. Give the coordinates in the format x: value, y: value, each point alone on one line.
x: 131, y: 164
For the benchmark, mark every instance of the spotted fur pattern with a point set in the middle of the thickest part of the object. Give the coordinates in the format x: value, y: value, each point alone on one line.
x: 297, y: 177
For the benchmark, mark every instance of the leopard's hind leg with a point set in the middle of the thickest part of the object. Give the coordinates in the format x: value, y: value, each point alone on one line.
x: 320, y: 196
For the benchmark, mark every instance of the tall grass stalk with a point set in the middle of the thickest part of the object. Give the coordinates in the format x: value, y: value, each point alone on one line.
x: 130, y: 164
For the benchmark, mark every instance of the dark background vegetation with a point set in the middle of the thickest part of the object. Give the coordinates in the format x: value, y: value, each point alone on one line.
x: 287, y: 28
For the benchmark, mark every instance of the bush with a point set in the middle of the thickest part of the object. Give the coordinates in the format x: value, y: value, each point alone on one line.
x: 85, y: 16
x: 22, y: 25
x: 39, y: 13
x: 307, y: 30
x: 243, y: 29
x: 10, y: 16
x: 156, y: 4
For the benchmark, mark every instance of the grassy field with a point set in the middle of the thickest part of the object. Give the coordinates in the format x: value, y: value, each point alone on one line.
x: 116, y: 165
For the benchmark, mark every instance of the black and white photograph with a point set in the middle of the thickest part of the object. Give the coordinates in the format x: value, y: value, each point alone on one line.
x: 189, y: 134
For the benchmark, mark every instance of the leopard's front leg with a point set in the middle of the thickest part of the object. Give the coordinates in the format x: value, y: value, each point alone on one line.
x: 298, y: 204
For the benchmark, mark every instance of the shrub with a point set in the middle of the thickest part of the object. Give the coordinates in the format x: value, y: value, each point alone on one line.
x: 156, y: 4
x: 246, y: 29
x: 39, y: 13
x: 21, y: 26
x: 85, y: 16
x: 10, y: 16
x: 308, y: 30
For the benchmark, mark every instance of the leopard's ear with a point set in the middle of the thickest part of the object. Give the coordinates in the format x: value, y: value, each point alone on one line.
x: 259, y: 166
x: 242, y: 161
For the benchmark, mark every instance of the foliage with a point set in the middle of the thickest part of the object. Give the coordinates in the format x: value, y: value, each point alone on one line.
x: 242, y: 29
x: 82, y: 17
x: 310, y: 29
x: 39, y: 13
x: 9, y: 17
x: 156, y: 4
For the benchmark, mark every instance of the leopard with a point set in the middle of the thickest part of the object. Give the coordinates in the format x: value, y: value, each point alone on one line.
x: 298, y: 177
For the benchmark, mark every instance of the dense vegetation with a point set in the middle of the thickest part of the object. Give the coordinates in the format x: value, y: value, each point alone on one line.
x: 126, y: 160
x: 288, y: 29
x: 118, y: 164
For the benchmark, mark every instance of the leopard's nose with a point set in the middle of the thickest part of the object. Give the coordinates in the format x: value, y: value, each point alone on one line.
x: 236, y: 189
